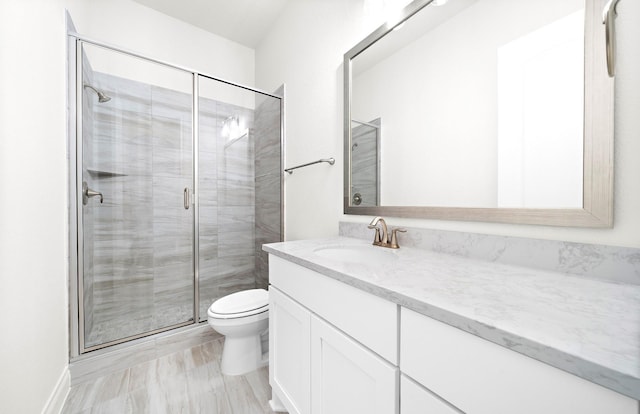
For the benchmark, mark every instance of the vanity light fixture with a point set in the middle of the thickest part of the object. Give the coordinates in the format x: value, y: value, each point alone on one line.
x: 376, y: 12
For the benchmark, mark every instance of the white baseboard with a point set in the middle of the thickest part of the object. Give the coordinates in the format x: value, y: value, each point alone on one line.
x: 276, y: 405
x: 277, y: 408
x: 59, y: 395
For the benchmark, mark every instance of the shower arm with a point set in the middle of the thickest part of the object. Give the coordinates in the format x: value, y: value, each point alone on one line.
x: 86, y: 85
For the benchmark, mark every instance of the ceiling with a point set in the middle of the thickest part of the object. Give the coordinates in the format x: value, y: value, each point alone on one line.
x: 243, y: 21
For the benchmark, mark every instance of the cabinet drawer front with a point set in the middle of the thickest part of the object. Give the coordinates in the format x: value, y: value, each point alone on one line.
x: 347, y: 378
x: 478, y: 376
x: 367, y: 318
x: 416, y: 400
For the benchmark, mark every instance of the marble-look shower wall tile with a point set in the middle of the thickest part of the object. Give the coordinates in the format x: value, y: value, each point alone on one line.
x: 208, y: 203
x: 121, y: 159
x: 236, y: 219
x: 235, y: 188
x: 143, y: 258
x: 236, y: 174
x: 173, y: 133
x: 173, y: 294
x: 268, y: 206
x: 123, y: 222
x: 236, y: 243
x: 235, y: 192
x: 268, y: 222
x: 226, y: 197
x: 173, y: 224
x: 168, y: 201
x: 231, y: 274
x: 209, y: 125
x: 120, y: 191
x: 127, y: 126
x: 238, y: 281
x: 364, y: 158
x: 208, y: 290
x: 169, y: 103
x: 268, y: 173
x: 208, y: 192
x: 88, y: 211
x: 612, y: 263
x: 208, y: 224
x: 172, y: 162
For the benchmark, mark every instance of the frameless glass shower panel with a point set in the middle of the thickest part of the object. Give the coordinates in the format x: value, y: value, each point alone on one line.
x: 137, y: 217
x: 239, y: 190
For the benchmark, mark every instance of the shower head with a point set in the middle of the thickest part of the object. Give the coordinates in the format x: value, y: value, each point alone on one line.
x: 102, y: 97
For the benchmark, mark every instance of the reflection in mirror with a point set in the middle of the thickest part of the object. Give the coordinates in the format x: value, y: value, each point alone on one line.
x: 482, y: 105
x: 365, y: 180
x: 477, y: 126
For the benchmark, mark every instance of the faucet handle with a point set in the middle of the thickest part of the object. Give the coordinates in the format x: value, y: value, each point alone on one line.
x: 394, y: 237
x: 377, y: 238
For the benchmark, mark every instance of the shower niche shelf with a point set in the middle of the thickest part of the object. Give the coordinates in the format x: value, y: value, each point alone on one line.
x: 104, y: 174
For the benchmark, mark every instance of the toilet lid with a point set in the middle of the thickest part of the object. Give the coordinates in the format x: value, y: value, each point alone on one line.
x: 248, y: 302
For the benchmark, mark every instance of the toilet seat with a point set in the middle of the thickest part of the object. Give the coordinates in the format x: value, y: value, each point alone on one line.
x: 240, y: 305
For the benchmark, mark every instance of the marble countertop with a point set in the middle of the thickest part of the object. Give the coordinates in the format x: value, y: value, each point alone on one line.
x: 587, y: 327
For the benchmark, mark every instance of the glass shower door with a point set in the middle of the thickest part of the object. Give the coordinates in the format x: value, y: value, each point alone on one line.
x: 135, y: 209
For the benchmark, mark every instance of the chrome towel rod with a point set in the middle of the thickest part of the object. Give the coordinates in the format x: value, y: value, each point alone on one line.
x: 331, y: 161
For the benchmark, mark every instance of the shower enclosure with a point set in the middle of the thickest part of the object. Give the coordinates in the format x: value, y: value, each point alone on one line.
x: 177, y: 180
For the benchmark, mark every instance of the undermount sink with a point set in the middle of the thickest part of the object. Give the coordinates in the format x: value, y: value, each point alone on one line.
x: 357, y: 254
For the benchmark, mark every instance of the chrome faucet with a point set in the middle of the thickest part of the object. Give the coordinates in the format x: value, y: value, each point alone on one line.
x: 381, y: 237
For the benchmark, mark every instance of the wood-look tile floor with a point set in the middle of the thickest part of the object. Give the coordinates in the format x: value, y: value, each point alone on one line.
x: 187, y: 381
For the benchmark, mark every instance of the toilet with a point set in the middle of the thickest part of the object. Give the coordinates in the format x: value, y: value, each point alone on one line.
x: 241, y: 317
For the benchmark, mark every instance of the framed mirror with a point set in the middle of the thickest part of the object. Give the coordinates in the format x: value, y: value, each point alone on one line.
x: 482, y: 110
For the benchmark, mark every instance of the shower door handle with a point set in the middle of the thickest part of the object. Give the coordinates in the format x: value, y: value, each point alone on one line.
x: 186, y: 198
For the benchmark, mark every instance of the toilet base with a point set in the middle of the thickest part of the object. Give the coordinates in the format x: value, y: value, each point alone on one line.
x: 241, y: 355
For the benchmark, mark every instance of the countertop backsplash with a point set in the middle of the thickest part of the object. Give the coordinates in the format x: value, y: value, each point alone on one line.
x: 611, y: 263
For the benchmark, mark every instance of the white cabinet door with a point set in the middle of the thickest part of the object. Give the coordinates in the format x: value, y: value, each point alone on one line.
x: 348, y: 378
x: 289, y: 352
x: 415, y: 399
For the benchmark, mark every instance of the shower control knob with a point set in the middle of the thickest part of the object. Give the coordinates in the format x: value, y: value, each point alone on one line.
x: 357, y: 199
x: 87, y: 193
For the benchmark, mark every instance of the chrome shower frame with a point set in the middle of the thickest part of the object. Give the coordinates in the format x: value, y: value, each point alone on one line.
x: 75, y: 42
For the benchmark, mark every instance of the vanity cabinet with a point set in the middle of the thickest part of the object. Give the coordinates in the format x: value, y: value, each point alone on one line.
x: 338, y: 349
x: 322, y: 339
x: 478, y: 376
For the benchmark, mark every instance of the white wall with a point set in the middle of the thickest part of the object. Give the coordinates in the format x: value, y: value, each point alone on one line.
x: 305, y: 50
x: 33, y: 230
x: 33, y: 168
x: 137, y: 28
